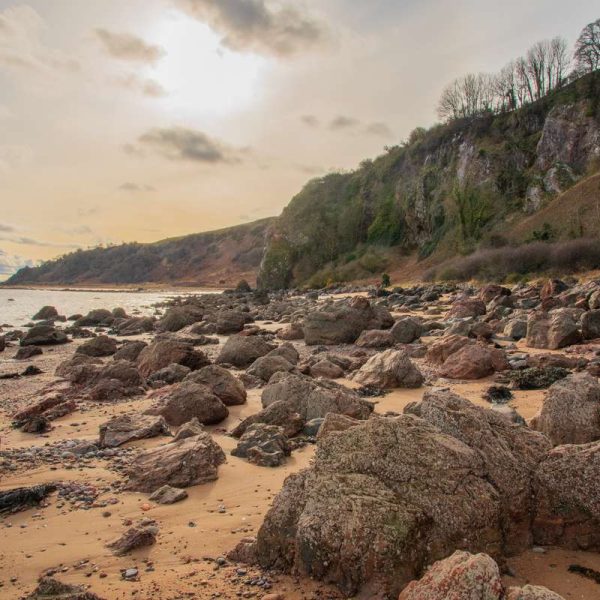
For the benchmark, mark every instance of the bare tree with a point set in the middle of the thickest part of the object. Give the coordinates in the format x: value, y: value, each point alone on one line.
x: 559, y: 62
x: 468, y: 96
x: 587, y: 49
x: 505, y: 87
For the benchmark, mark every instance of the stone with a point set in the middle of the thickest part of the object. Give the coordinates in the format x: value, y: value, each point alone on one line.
x: 406, y: 330
x: 101, y: 345
x: 464, y: 307
x: 440, y: 350
x: 123, y: 371
x: 571, y: 411
x: 567, y: 495
x: 132, y: 539
x: 79, y: 369
x: 108, y: 390
x: 490, y: 291
x: 334, y: 422
x: 286, y: 351
x: 178, y: 317
x: 27, y: 352
x: 17, y: 499
x: 163, y: 353
x: 338, y: 323
x: 168, y: 495
x: 389, y: 369
x: 531, y: 592
x: 228, y: 388
x: 122, y: 429
x: 241, y: 351
x: 44, y: 335
x: 265, y: 366
x: 292, y: 331
x: 190, y: 429
x: 231, y: 321
x: 552, y: 330
x: 474, y: 362
x: 181, y: 464
x: 590, y: 325
x: 326, y: 368
x: 130, y: 351
x: 188, y: 400
x: 51, y: 589
x: 269, y: 439
x: 97, y: 316
x: 375, y: 338
x: 536, y: 378
x: 516, y: 329
x: 173, y: 373
x: 46, y: 313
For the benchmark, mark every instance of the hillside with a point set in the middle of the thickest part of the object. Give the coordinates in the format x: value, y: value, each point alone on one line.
x: 473, y: 183
x: 220, y: 257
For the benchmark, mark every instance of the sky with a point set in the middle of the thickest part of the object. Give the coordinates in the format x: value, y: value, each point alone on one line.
x: 137, y: 120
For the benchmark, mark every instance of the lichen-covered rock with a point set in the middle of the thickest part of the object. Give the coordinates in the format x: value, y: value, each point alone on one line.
x: 188, y: 400
x: 181, y: 464
x: 571, y: 411
x: 389, y: 369
x: 567, y: 494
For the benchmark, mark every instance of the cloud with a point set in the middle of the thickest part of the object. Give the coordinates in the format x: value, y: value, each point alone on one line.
x: 129, y: 186
x: 183, y: 144
x: 21, y: 48
x: 128, y: 47
x: 257, y: 25
x: 343, y: 122
x: 379, y: 128
x: 6, y: 228
x: 310, y: 120
x: 147, y: 87
x: 11, y: 263
x: 28, y: 241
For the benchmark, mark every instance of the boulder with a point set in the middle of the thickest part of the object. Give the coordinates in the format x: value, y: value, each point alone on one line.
x: 191, y: 461
x: 123, y: 371
x: 464, y: 307
x: 108, y: 390
x: 101, y: 345
x: 536, y: 378
x: 27, y: 352
x: 488, y: 292
x: 130, y: 351
x: 46, y: 313
x: 571, y: 411
x: 122, y: 429
x: 174, y: 373
x: 168, y: 495
x: 265, y: 366
x: 17, y: 499
x: 552, y: 330
x: 231, y: 321
x: 178, y: 317
x: 241, y: 351
x: 567, y: 494
x: 190, y: 429
x: 133, y: 538
x: 338, y: 323
x: 97, y: 316
x: 44, y: 335
x: 188, y: 400
x: 286, y: 351
x: 474, y: 362
x: 440, y: 350
x: 326, y: 368
x: 516, y: 329
x: 270, y: 440
x: 79, y: 369
x: 334, y: 422
x: 228, y: 388
x: 389, y: 369
x: 406, y: 330
x: 163, y: 353
x: 293, y: 331
x: 52, y: 589
x: 590, y: 325
x: 375, y: 338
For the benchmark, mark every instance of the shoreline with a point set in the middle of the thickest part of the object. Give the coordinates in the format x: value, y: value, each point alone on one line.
x: 125, y: 288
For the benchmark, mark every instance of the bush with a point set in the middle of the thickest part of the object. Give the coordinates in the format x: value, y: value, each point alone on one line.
x: 513, y: 262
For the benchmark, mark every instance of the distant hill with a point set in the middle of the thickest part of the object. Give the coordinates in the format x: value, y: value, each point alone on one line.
x: 215, y: 258
x: 485, y: 181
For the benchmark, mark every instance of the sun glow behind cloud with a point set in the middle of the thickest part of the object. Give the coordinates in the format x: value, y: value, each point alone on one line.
x: 199, y: 74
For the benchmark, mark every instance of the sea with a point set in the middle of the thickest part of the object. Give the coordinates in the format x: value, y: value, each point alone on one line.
x: 17, y: 306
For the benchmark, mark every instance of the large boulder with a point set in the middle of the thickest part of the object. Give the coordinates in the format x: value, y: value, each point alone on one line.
x: 130, y: 350
x: 46, y: 313
x: 122, y: 429
x: 44, y: 335
x: 231, y: 321
x: 266, y: 366
x: 188, y: 400
x: 178, y: 317
x: 571, y: 411
x: 181, y: 464
x: 590, y: 325
x: 242, y: 350
x: 441, y: 349
x: 406, y: 330
x: 161, y: 354
x: 123, y: 371
x: 474, y: 362
x: 389, y: 369
x: 338, y: 323
x: 228, y: 388
x: 375, y: 338
x: 101, y: 345
x: 552, y: 330
x: 464, y: 307
x: 567, y: 493
x: 97, y: 316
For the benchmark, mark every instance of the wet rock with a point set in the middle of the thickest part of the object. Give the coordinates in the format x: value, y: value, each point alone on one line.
x: 98, y: 346
x: 188, y: 400
x: 163, y: 353
x: 168, y: 495
x: 567, y: 493
x: 571, y: 411
x: 122, y: 429
x: 27, y: 352
x: 474, y: 362
x: 133, y: 538
x: 241, y: 351
x: 181, y: 464
x: 271, y: 442
x: 389, y: 369
x: 228, y: 388
x: 17, y: 499
x: 46, y: 313
x: 43, y: 335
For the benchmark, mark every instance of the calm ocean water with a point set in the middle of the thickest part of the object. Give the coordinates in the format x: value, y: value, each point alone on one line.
x: 17, y: 307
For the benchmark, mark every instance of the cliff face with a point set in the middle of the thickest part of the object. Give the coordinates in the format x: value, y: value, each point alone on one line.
x: 213, y: 258
x: 445, y: 191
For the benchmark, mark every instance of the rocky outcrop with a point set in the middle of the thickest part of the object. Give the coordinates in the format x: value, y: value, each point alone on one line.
x: 389, y: 369
x: 181, y: 464
x: 571, y: 411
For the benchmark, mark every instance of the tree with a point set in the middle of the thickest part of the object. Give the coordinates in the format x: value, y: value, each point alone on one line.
x: 587, y: 49
x: 385, y: 280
